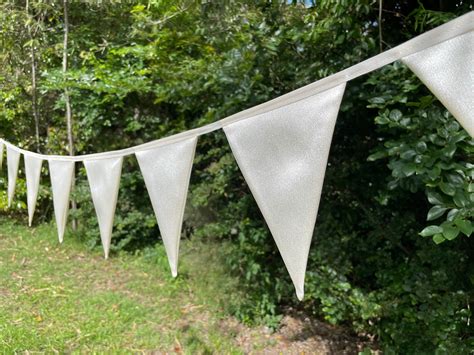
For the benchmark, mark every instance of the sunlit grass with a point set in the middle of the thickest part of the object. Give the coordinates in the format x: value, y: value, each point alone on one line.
x: 65, y: 297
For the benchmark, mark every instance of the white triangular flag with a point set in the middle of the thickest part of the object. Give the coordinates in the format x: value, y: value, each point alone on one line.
x: 13, y: 160
x: 447, y: 69
x: 104, y: 182
x: 283, y: 155
x: 33, y: 173
x: 166, y: 171
x: 62, y: 173
x: 1, y: 154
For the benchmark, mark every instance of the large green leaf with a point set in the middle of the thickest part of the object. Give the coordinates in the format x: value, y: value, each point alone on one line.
x: 431, y: 230
x: 435, y: 212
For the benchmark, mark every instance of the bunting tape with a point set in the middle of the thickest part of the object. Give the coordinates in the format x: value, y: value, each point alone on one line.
x: 281, y: 147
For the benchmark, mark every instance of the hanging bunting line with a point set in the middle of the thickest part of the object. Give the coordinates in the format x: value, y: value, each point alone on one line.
x: 449, y: 30
x: 280, y: 146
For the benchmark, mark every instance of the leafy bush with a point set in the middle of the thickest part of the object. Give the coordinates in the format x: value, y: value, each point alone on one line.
x: 427, y: 150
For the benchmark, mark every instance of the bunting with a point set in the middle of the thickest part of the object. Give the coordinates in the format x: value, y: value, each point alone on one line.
x: 447, y: 69
x: 282, y: 155
x: 166, y: 171
x: 13, y: 160
x: 33, y: 175
x: 104, y: 181
x: 61, y: 172
x: 280, y: 146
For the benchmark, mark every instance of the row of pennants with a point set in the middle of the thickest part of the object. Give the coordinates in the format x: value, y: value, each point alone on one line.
x: 282, y: 154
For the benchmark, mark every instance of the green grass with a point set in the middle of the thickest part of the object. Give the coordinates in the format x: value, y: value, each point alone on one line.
x: 68, y: 298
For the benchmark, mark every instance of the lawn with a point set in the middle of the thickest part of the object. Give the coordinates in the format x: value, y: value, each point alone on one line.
x: 68, y: 298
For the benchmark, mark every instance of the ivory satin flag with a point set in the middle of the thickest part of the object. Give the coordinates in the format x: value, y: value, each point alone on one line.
x: 447, y: 69
x: 33, y: 175
x: 61, y: 172
x: 166, y: 171
x: 104, y: 182
x: 13, y: 160
x: 283, y: 155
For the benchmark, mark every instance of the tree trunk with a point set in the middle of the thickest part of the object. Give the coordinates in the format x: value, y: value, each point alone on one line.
x: 33, y: 78
x: 67, y: 100
x: 380, y: 26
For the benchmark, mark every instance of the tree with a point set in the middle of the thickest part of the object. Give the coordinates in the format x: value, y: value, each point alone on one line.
x: 67, y: 100
x: 33, y: 75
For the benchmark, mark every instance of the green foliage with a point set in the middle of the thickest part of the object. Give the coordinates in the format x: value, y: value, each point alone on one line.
x: 128, y: 303
x: 19, y: 203
x: 430, y: 152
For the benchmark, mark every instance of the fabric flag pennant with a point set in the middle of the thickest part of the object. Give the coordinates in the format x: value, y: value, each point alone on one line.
x: 447, y: 69
x: 283, y: 155
x: 13, y: 160
x: 166, y: 171
x: 104, y: 182
x: 62, y: 173
x: 1, y: 154
x: 33, y: 174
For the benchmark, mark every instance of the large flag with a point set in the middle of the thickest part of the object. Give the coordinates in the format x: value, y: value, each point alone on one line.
x: 283, y: 155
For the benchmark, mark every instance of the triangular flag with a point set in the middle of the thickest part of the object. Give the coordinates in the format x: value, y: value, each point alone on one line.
x: 62, y: 173
x: 1, y: 154
x: 33, y: 173
x: 447, y: 69
x: 13, y: 160
x: 283, y: 155
x: 166, y: 171
x: 104, y: 181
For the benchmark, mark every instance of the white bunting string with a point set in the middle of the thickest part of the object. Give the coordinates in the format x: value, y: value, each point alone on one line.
x: 281, y: 147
